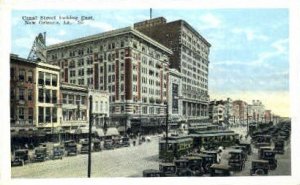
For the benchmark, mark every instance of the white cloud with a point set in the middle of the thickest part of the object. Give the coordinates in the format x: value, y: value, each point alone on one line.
x: 250, y: 34
x: 209, y: 21
x: 24, y: 42
x: 62, y: 32
x: 103, y: 26
x: 50, y: 41
x: 281, y: 45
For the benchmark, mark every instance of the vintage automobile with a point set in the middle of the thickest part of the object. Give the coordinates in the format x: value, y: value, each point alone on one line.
x: 237, y: 160
x: 152, y: 173
x: 168, y: 169
x: 195, y: 165
x: 248, y: 147
x: 57, y: 152
x: 220, y: 170
x: 125, y: 142
x: 259, y: 167
x: 279, y: 147
x: 243, y: 148
x: 207, y: 161
x: 40, y: 154
x: 71, y: 148
x: 96, y: 145
x: 261, y: 140
x: 108, y: 144
x: 20, y: 157
x: 213, y: 153
x: 84, y: 147
x: 269, y: 155
x: 182, y: 167
x: 261, y: 151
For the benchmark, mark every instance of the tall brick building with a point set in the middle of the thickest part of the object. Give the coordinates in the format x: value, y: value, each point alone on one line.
x: 190, y: 58
x: 131, y: 66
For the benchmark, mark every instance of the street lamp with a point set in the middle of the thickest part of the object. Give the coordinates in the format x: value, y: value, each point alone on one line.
x: 167, y: 125
x: 90, y: 136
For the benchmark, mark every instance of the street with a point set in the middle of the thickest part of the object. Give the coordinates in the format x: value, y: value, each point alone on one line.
x: 127, y: 162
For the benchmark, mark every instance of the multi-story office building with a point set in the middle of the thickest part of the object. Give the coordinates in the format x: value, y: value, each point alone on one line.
x: 34, y: 94
x: 256, y: 111
x: 240, y: 111
x: 217, y: 112
x: 190, y: 57
x: 131, y: 66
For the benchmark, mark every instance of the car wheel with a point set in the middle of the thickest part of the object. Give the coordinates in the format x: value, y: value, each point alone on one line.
x: 259, y: 172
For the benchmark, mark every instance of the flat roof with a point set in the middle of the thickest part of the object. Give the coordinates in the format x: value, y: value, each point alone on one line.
x: 109, y: 34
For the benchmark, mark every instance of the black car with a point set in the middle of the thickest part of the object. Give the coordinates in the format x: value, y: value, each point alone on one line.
x: 237, y: 160
x: 279, y: 147
x: 182, y: 167
x: 40, y: 154
x: 71, y: 148
x: 195, y: 165
x: 20, y: 157
x: 108, y: 144
x: 207, y: 161
x: 97, y: 145
x: 152, y: 173
x: 269, y: 155
x: 248, y: 147
x: 57, y: 152
x: 168, y: 169
x: 84, y: 147
x: 125, y: 141
x: 259, y: 167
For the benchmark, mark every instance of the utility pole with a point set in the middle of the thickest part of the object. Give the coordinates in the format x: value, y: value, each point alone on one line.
x: 90, y: 136
x: 247, y: 121
x: 167, y: 125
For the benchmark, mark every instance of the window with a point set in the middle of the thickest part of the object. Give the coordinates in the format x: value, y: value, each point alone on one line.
x: 65, y: 99
x: 21, y: 74
x: 83, y: 100
x: 12, y: 94
x: 41, y: 95
x: 71, y: 99
x: 48, y: 78
x: 12, y: 73
x: 21, y: 94
x: 48, y: 96
x: 30, y: 77
x: 21, y: 113
x: 54, y: 114
x: 54, y: 97
x: 48, y: 114
x: 41, y: 114
x: 77, y: 99
x: 30, y: 115
x: 54, y: 80
x: 29, y: 95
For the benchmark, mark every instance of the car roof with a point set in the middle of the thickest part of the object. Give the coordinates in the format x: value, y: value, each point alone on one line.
x: 260, y: 161
x: 235, y: 151
x: 220, y: 166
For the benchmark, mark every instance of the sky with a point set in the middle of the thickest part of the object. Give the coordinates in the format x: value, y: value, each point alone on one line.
x: 248, y: 57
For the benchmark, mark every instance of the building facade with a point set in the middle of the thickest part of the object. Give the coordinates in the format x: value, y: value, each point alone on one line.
x: 34, y: 94
x: 132, y: 67
x: 240, y: 111
x: 190, y: 57
x: 256, y: 111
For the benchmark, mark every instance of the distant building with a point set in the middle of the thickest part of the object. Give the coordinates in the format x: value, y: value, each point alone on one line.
x: 256, y: 111
x: 217, y: 112
x: 240, y: 111
x: 190, y: 58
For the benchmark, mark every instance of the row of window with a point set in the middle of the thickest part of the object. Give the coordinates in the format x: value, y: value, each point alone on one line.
x: 22, y: 75
x: 73, y: 115
x: 47, y: 79
x: 21, y: 113
x: 47, y: 115
x: 47, y: 95
x: 21, y: 94
x: 74, y: 99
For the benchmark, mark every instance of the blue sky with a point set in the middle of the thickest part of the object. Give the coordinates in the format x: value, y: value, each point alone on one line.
x: 249, y: 53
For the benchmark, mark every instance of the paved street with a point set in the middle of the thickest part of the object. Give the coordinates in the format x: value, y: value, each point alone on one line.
x: 126, y: 162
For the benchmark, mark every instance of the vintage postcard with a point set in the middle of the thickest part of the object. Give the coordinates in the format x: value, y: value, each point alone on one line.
x: 150, y: 92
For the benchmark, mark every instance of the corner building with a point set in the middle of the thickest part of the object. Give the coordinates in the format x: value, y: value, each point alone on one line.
x: 131, y: 66
x: 190, y: 58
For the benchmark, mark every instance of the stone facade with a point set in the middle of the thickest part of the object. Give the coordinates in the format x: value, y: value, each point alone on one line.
x: 132, y: 67
x: 190, y: 57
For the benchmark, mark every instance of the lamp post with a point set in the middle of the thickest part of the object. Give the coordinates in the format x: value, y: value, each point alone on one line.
x: 90, y: 136
x: 167, y: 129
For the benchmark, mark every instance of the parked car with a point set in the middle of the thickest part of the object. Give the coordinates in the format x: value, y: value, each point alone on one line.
x: 108, y: 144
x: 279, y: 147
x: 84, y: 147
x: 96, y: 145
x: 269, y: 155
x: 220, y: 170
x: 40, y: 154
x: 71, y: 147
x: 57, y: 152
x: 152, y: 173
x: 125, y: 141
x: 207, y: 161
x: 248, y: 147
x: 195, y: 165
x: 259, y: 167
x: 20, y: 157
x: 182, y: 167
x: 237, y: 160
x: 261, y: 151
x: 168, y: 169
